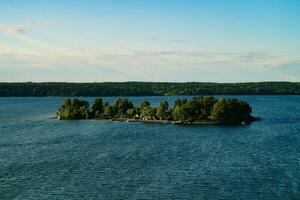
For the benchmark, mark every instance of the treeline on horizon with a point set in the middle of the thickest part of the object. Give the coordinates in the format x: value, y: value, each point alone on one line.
x: 199, y: 109
x: 147, y: 89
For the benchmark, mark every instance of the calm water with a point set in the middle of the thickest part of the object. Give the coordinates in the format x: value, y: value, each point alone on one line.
x: 42, y: 158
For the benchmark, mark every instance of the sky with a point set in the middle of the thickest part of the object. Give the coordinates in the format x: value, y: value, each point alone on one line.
x: 149, y: 40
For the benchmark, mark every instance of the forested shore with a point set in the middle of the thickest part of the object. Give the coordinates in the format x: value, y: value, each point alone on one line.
x: 199, y: 110
x: 147, y: 89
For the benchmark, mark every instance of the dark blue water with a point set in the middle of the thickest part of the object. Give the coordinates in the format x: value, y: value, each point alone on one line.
x: 42, y: 158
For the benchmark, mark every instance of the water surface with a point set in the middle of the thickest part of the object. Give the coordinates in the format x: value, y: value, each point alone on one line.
x: 42, y: 158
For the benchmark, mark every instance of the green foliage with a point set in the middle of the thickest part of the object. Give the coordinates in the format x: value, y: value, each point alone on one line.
x: 199, y: 109
x: 133, y: 113
x: 163, y: 111
x: 148, y: 89
x: 148, y: 112
x: 184, y: 112
x: 109, y: 112
x: 176, y: 112
x: 202, y: 107
x: 145, y: 110
x: 98, y: 108
x: 121, y: 106
x: 144, y: 104
x: 75, y: 109
x: 231, y: 110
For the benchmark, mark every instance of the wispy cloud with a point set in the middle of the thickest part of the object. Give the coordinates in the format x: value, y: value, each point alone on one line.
x: 178, y: 41
x: 174, y: 41
x: 138, y: 64
x: 121, y: 56
x: 13, y: 28
x: 152, y: 38
x: 22, y: 28
x: 43, y: 23
x: 256, y: 56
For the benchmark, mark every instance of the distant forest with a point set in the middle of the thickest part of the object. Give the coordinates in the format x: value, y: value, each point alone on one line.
x: 147, y: 89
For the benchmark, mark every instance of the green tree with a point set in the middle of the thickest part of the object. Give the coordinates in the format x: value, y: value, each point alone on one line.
x: 109, y: 112
x: 183, y: 112
x: 131, y: 113
x: 98, y: 108
x: 144, y: 104
x: 64, y: 111
x: 148, y: 112
x: 231, y: 111
x: 121, y: 106
x: 202, y: 107
x: 196, y: 110
x: 177, y: 112
x: 163, y: 111
x: 75, y: 109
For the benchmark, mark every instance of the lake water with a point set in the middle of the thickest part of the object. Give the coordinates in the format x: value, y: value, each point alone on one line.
x: 42, y: 158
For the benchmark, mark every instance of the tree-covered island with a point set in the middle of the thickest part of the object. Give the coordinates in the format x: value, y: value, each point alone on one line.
x: 199, y: 110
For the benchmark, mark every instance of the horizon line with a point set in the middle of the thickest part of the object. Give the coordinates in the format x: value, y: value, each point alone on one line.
x: 20, y: 82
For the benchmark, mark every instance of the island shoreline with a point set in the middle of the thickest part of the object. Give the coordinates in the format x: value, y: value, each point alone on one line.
x: 169, y: 122
x: 197, y: 111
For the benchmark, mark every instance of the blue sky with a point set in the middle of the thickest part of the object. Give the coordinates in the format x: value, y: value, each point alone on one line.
x: 145, y: 40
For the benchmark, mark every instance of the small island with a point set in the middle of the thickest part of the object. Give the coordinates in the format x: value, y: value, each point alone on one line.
x: 198, y: 110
